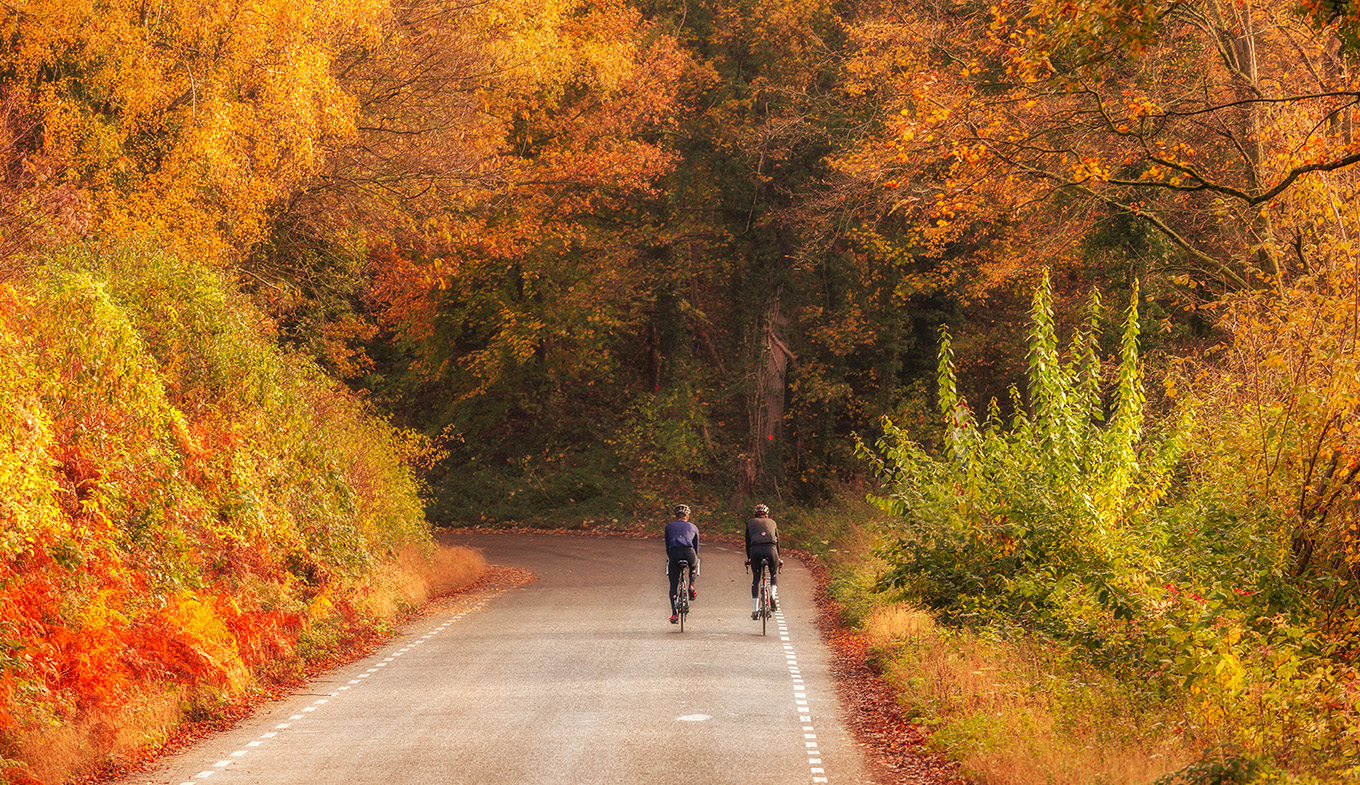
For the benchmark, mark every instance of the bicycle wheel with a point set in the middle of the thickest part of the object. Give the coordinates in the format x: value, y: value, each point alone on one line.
x: 682, y: 594
x: 764, y: 598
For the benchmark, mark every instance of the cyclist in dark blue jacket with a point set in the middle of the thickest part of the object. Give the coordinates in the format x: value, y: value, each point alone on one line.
x: 682, y: 544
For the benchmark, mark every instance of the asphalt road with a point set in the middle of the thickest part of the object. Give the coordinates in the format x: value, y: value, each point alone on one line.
x: 575, y: 678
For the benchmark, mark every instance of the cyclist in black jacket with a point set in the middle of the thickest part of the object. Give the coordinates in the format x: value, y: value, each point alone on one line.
x: 682, y: 544
x: 762, y: 542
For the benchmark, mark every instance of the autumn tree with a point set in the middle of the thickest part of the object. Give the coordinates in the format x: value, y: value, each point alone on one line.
x: 35, y: 205
x: 186, y: 118
x: 1188, y: 119
x: 502, y: 177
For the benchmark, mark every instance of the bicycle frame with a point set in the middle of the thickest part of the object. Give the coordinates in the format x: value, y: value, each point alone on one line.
x: 682, y: 592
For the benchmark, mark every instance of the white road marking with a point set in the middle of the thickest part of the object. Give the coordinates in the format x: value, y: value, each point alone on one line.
x: 222, y: 764
x: 694, y: 718
x: 815, y: 770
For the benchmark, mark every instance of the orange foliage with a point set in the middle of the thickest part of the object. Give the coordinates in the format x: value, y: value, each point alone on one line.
x: 1022, y: 125
x: 575, y: 142
x: 170, y: 530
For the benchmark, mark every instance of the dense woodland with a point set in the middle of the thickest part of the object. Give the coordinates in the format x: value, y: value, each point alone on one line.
x: 1068, y: 288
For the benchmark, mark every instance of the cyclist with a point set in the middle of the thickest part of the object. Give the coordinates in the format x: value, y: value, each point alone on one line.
x: 762, y: 542
x: 682, y: 544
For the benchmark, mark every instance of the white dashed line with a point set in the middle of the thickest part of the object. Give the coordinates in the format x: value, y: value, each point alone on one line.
x: 815, y: 770
x: 222, y: 764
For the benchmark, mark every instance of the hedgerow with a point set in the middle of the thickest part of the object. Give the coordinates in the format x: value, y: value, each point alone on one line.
x: 187, y: 509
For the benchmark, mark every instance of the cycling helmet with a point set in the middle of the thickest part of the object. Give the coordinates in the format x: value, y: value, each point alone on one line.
x: 762, y: 511
x: 681, y: 510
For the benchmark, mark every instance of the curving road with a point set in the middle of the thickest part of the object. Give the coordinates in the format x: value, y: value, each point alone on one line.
x: 575, y: 678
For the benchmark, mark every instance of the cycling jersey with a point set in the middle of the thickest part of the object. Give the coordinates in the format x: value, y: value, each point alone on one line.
x: 761, y: 531
x: 682, y: 534
x: 682, y: 544
x: 762, y: 542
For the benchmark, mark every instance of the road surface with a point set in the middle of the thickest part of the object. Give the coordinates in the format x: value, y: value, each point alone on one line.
x: 575, y: 678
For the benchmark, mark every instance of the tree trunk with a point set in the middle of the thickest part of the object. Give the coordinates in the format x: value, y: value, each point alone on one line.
x: 762, y: 462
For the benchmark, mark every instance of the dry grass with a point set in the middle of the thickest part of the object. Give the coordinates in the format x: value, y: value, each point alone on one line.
x: 60, y: 752
x: 1018, y: 713
x: 420, y: 574
x: 454, y: 567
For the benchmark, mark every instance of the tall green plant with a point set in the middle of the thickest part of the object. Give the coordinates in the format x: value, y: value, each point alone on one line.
x: 1041, y: 522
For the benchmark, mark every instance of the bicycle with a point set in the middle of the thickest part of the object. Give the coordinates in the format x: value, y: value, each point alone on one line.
x: 682, y: 592
x: 763, y: 609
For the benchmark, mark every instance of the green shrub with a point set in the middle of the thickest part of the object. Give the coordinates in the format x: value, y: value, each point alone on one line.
x: 1048, y: 523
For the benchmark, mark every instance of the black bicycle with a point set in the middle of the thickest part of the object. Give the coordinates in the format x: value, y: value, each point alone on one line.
x: 765, y: 605
x: 682, y: 593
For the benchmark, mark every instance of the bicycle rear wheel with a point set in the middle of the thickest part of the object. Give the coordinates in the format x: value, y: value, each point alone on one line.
x: 682, y: 594
x: 765, y: 599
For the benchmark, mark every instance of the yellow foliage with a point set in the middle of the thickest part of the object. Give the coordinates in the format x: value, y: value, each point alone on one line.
x: 188, y: 117
x: 28, y: 486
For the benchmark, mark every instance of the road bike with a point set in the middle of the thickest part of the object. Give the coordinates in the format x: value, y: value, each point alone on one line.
x: 682, y: 593
x: 764, y: 605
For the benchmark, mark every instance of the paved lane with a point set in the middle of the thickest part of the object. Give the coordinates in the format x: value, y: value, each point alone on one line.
x: 575, y: 678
